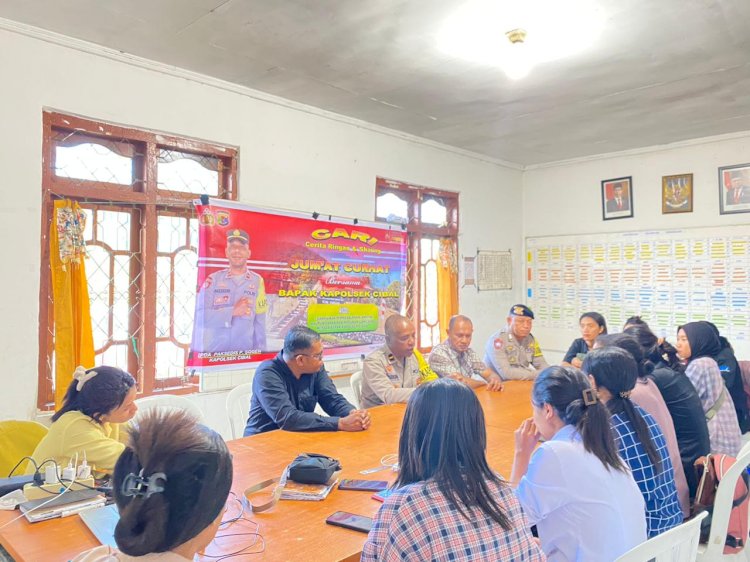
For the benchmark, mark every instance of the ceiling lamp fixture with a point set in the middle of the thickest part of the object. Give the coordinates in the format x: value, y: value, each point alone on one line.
x: 537, y: 31
x: 518, y: 64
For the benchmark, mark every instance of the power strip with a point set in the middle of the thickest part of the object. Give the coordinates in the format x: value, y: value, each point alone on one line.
x: 34, y: 492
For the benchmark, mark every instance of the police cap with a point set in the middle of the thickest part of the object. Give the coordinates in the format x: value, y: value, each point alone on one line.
x: 237, y: 234
x: 521, y: 310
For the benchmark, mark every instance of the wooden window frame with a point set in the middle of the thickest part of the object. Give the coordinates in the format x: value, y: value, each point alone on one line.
x: 150, y: 201
x: 417, y: 230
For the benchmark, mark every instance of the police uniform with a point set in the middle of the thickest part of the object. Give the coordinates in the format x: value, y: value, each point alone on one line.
x: 387, y: 379
x: 511, y: 358
x: 216, y: 329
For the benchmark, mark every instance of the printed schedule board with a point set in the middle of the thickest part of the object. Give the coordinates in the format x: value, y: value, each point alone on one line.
x: 669, y: 277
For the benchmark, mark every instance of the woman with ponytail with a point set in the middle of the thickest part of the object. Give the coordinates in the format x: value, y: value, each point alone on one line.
x: 91, y: 422
x: 574, y: 487
x: 170, y: 485
x: 639, y: 439
x: 647, y: 395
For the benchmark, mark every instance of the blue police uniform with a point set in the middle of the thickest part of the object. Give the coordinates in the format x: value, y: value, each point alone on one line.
x: 215, y: 328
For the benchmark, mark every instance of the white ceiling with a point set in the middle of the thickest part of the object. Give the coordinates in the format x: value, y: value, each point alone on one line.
x: 662, y: 70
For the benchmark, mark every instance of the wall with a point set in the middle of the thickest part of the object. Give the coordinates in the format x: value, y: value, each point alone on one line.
x: 290, y: 157
x: 574, y: 187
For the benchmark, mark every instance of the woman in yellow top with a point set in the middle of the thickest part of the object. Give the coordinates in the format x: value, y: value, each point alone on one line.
x: 98, y: 403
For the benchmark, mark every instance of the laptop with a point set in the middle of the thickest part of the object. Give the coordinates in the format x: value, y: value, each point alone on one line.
x: 62, y: 505
x: 102, y: 522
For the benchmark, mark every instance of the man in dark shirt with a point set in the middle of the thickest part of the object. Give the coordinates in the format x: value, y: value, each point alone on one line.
x: 287, y: 388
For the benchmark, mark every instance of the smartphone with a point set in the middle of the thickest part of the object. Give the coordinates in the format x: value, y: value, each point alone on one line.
x: 380, y: 496
x: 350, y: 521
x: 363, y: 485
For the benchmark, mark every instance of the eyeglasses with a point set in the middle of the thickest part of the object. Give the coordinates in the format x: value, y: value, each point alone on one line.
x: 318, y: 356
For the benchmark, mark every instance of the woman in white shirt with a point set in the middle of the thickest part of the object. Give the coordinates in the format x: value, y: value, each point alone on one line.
x: 575, y: 487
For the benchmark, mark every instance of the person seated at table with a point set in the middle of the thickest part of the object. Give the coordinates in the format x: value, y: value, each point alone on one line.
x: 455, y: 358
x: 681, y: 399
x: 730, y: 372
x: 574, y: 487
x: 638, y: 321
x: 698, y: 344
x: 91, y: 423
x: 286, y: 390
x: 592, y: 325
x: 391, y: 373
x: 646, y: 394
x: 447, y: 503
x: 639, y: 439
x: 170, y: 485
x: 513, y: 352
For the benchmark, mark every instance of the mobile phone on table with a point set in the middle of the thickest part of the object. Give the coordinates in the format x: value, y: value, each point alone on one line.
x: 350, y: 521
x: 363, y: 485
x: 383, y: 494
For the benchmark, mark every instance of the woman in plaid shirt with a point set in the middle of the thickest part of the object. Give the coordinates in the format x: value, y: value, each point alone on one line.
x: 639, y: 438
x: 448, y: 504
x: 697, y: 343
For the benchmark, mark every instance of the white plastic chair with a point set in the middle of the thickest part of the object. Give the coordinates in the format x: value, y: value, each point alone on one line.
x: 713, y: 551
x: 679, y: 544
x: 355, y: 381
x: 169, y: 402
x: 238, y: 406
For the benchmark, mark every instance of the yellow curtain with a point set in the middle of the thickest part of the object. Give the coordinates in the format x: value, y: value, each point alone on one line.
x: 447, y: 284
x: 74, y: 340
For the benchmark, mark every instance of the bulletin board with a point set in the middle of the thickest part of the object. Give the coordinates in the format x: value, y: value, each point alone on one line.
x: 669, y: 277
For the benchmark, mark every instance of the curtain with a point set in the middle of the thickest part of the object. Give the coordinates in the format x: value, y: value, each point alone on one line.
x: 74, y: 341
x: 447, y: 284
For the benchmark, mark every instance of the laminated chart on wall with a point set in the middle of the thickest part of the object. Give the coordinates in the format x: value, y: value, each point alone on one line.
x: 668, y: 277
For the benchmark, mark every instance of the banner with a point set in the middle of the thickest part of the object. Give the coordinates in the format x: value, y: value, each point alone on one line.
x: 261, y: 272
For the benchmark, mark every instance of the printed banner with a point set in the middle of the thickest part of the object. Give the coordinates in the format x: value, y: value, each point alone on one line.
x: 262, y: 272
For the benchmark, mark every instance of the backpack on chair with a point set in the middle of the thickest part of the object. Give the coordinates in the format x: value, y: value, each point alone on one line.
x: 710, y: 470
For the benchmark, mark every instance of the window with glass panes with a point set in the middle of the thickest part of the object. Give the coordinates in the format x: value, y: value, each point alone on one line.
x: 429, y: 216
x: 136, y: 189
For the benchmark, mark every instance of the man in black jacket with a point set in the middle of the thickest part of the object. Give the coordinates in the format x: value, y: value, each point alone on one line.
x: 286, y: 390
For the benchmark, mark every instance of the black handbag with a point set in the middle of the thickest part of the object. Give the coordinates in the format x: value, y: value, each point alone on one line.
x: 311, y: 468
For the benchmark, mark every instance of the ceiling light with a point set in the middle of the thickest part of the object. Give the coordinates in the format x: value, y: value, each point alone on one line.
x: 480, y: 31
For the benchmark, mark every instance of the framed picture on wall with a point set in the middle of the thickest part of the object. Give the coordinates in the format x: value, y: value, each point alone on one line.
x: 734, y: 189
x: 617, y: 198
x: 677, y: 194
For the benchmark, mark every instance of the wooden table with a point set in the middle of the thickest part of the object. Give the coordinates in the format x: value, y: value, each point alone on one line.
x: 293, y: 529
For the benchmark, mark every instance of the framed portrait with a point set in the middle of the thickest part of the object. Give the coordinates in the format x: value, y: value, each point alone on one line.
x: 734, y: 189
x: 677, y: 194
x: 617, y: 198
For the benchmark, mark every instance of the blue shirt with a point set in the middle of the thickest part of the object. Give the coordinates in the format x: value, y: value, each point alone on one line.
x: 281, y: 400
x: 584, y: 512
x: 663, y: 509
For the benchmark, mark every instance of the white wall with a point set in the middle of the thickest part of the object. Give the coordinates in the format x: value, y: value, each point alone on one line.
x: 566, y: 198
x: 289, y: 158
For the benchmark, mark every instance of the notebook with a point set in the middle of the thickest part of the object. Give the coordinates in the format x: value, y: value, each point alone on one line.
x: 62, y: 505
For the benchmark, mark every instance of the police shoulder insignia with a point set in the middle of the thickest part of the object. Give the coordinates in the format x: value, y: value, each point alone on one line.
x: 498, y: 343
x: 207, y: 283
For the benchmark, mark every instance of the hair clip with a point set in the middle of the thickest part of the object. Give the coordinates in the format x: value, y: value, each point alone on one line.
x: 589, y: 397
x: 625, y: 394
x: 138, y: 486
x: 82, y: 376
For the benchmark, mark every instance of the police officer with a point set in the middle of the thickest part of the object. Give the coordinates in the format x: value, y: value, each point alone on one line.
x: 391, y: 373
x: 230, y: 309
x: 512, y: 352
